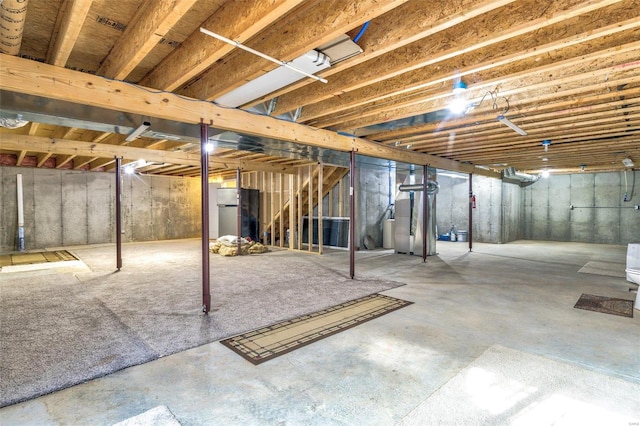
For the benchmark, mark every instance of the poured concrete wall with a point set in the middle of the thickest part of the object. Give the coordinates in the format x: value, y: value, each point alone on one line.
x: 599, y: 214
x: 63, y: 207
x: 372, y: 204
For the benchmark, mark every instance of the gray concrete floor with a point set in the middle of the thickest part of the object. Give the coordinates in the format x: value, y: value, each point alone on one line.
x: 518, y: 295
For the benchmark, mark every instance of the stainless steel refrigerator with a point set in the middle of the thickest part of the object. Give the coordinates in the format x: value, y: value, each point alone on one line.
x: 228, y: 212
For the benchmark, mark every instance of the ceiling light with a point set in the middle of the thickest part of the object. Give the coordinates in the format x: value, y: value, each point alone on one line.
x: 138, y: 131
x: 546, y: 144
x: 208, y: 147
x: 627, y: 162
x: 545, y: 173
x: 505, y: 120
x: 458, y: 105
x: 459, y: 87
x: 582, y: 167
x: 545, y: 159
x: 129, y: 169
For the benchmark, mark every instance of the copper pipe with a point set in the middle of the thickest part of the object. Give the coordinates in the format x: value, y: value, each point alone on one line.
x: 204, y: 201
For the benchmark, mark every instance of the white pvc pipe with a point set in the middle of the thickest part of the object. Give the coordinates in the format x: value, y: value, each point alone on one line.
x: 20, y: 213
x: 20, y: 202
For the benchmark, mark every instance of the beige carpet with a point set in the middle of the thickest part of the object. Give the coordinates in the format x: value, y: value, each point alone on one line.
x: 609, y: 269
x: 508, y: 387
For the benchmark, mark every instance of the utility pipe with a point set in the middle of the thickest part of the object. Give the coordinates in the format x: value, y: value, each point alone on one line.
x: 20, y: 212
x: 12, y: 15
x: 118, y: 213
x: 204, y: 189
x: 352, y: 213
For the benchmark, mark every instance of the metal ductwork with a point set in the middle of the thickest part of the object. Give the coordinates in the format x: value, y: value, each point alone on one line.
x: 511, y: 175
x: 432, y: 187
x: 12, y: 17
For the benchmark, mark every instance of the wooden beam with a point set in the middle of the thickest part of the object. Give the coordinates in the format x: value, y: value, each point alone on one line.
x: 33, y: 128
x: 97, y: 150
x: 151, y: 22
x: 384, y: 34
x: 69, y: 22
x: 64, y: 160
x: 199, y: 51
x: 320, y: 23
x: 42, y: 158
x: 21, y: 156
x: 520, y: 18
x: 523, y: 52
x: 29, y: 77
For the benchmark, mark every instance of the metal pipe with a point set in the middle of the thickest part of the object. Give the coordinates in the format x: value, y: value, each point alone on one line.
x: 432, y: 187
x: 425, y: 212
x: 352, y: 214
x: 470, y: 232
x: 239, y: 202
x: 204, y: 201
x: 20, y: 196
x: 118, y: 213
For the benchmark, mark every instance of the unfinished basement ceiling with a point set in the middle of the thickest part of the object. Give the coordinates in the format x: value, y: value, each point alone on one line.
x: 564, y: 71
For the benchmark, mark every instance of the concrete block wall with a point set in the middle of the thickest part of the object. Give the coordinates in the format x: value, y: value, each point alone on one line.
x: 599, y: 215
x: 64, y: 207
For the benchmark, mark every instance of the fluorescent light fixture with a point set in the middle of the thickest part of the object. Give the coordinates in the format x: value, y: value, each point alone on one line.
x: 505, y: 120
x: 278, y: 78
x: 138, y: 131
x: 627, y: 162
x: 262, y: 55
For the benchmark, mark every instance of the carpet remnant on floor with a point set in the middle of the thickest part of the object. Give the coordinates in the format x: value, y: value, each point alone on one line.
x: 36, y: 257
x: 606, y: 305
x: 269, y: 342
x: 608, y: 269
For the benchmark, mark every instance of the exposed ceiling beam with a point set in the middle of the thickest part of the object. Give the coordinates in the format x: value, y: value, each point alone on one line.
x: 199, y: 51
x: 527, y: 52
x: 24, y: 76
x: 149, y: 25
x: 322, y: 22
x: 61, y: 161
x: 94, y: 151
x: 515, y: 20
x: 384, y: 34
x: 42, y: 158
x: 21, y: 156
x: 69, y: 22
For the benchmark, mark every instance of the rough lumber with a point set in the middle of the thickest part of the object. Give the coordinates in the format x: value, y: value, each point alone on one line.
x: 152, y: 21
x: 322, y: 22
x: 198, y: 52
x: 24, y: 76
x: 69, y: 23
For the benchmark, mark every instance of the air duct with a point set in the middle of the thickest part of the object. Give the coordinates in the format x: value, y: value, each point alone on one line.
x: 510, y: 174
x: 12, y: 16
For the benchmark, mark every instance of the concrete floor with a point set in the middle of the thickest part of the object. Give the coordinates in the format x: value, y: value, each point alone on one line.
x: 518, y: 295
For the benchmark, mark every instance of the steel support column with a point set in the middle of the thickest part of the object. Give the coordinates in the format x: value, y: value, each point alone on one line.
x: 352, y: 214
x: 239, y: 202
x: 425, y: 212
x: 470, y: 211
x: 118, y: 213
x: 204, y: 200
